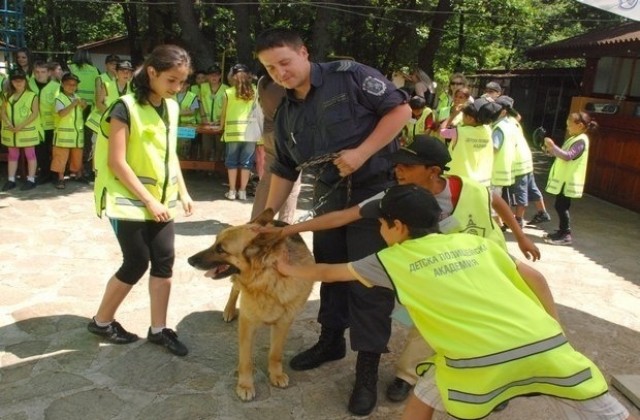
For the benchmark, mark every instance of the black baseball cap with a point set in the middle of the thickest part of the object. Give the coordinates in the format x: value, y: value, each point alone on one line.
x: 424, y: 150
x: 505, y: 101
x: 239, y: 68
x: 70, y: 76
x: 111, y: 58
x: 17, y: 73
x: 494, y: 86
x: 213, y: 69
x: 124, y: 65
x: 412, y: 205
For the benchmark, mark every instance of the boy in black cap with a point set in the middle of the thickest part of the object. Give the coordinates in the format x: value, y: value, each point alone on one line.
x: 466, y: 207
x: 494, y: 341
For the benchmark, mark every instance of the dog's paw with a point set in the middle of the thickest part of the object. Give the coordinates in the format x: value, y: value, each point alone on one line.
x: 229, y: 314
x: 281, y: 380
x: 246, y: 392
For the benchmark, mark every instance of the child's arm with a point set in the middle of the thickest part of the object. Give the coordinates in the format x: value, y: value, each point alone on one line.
x: 526, y: 245
x: 223, y: 113
x: 326, y: 221
x: 66, y: 110
x: 327, y: 273
x: 185, y: 198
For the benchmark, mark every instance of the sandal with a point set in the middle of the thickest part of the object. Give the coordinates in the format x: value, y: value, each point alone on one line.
x: 60, y: 184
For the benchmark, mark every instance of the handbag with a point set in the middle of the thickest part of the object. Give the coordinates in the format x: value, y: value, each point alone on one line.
x: 253, y: 132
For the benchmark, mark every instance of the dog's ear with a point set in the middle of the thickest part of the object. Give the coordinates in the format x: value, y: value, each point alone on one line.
x: 262, y: 244
x: 265, y: 217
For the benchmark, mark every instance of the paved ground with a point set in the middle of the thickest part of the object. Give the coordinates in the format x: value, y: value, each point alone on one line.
x: 56, y: 257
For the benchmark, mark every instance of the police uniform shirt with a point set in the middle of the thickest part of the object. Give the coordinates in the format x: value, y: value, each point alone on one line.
x: 345, y: 103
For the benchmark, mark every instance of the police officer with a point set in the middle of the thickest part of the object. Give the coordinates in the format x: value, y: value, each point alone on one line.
x: 347, y: 108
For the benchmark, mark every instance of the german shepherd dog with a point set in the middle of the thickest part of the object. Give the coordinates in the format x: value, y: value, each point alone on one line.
x: 267, y: 296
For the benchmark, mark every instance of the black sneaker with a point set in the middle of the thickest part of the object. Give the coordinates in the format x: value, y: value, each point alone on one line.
x: 29, y: 185
x: 398, y: 390
x: 9, y: 185
x: 168, y: 338
x: 540, y: 217
x: 555, y: 235
x: 113, y: 333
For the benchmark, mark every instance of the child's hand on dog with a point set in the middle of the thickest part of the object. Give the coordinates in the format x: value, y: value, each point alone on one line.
x: 280, y: 231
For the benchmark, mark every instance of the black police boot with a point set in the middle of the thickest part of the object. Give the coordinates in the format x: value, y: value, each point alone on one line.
x: 330, y: 346
x: 365, y: 392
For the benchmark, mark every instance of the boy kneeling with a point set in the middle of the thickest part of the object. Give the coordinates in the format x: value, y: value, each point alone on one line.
x: 492, y: 337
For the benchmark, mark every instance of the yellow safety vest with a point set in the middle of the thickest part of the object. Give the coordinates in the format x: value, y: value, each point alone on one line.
x: 211, y: 102
x: 47, y: 102
x: 444, y: 106
x: 18, y: 110
x: 569, y: 174
x: 472, y: 153
x: 69, y: 131
x: 472, y: 213
x: 87, y: 86
x: 236, y: 117
x: 492, y: 338
x: 523, y: 160
x: 502, y: 173
x: 185, y: 104
x: 412, y: 129
x: 196, y: 90
x: 151, y: 153
x: 111, y: 94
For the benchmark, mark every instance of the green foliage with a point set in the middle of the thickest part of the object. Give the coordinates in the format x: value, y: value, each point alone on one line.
x: 387, y: 34
x: 53, y: 26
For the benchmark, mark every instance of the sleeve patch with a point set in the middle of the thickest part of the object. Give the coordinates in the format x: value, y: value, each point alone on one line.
x: 374, y: 86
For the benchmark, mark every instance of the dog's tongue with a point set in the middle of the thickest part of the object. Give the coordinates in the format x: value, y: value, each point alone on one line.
x: 215, y: 271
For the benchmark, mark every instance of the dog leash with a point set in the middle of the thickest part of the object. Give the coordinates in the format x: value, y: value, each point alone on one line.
x: 322, y: 160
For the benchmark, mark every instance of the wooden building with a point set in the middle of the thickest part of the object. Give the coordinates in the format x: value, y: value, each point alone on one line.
x: 610, y: 93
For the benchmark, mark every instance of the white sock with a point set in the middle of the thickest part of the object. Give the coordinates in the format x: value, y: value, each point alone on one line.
x: 101, y: 324
x: 12, y: 178
x: 31, y: 178
x: 156, y: 330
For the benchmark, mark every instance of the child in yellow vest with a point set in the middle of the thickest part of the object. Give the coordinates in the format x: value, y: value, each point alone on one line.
x: 421, y: 120
x: 471, y: 146
x: 68, y: 137
x: 494, y: 340
x: 569, y: 170
x: 21, y: 129
x: 239, y: 153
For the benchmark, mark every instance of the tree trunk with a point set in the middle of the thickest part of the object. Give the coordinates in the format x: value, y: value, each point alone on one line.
x: 197, y: 45
x: 243, y: 43
x: 427, y: 53
x: 130, y: 12
x: 320, y: 37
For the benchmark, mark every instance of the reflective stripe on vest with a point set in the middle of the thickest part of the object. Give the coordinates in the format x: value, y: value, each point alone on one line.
x: 185, y: 104
x: 508, y: 355
x: 47, y: 99
x: 17, y: 112
x: 502, y: 171
x: 523, y: 160
x: 236, y: 117
x: 571, y: 174
x: 567, y: 382
x: 69, y: 131
x: 151, y: 154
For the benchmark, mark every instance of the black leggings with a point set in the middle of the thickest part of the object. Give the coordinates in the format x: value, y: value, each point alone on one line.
x: 142, y: 242
x: 562, y: 205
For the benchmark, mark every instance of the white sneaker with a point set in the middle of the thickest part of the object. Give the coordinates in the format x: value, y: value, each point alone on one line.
x: 242, y: 195
x: 231, y: 194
